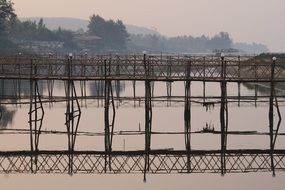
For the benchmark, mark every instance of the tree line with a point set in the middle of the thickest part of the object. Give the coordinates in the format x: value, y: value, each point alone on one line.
x: 180, y: 44
x: 109, y: 35
x: 113, y: 34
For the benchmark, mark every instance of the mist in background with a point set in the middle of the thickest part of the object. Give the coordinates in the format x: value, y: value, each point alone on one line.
x: 245, y: 20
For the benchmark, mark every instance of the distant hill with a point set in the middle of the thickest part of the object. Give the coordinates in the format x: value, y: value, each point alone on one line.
x: 76, y: 24
x: 132, y: 29
x: 67, y: 23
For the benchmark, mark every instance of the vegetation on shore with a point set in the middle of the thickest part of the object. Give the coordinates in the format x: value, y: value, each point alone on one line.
x: 101, y: 36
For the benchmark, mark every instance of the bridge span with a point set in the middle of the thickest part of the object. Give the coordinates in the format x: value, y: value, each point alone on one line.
x: 110, y: 69
x: 143, y: 67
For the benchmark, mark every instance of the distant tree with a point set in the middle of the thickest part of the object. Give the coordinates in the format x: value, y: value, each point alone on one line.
x: 96, y: 25
x: 66, y: 36
x: 13, y: 31
x: 41, y: 24
x: 30, y: 30
x: 179, y: 44
x: 113, y: 34
x: 122, y: 34
x: 220, y: 41
x: 6, y: 14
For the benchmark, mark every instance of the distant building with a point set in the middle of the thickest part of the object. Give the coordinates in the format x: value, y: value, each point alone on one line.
x: 229, y: 51
x: 87, y: 42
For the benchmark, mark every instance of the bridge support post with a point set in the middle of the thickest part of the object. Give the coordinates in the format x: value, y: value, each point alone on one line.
x: 36, y: 115
x: 187, y: 116
x: 223, y: 116
x: 148, y: 116
x: 72, y: 115
x: 134, y: 81
x: 117, y: 82
x: 271, y: 115
x: 134, y: 92
x: 187, y: 122
x: 109, y: 126
x: 204, y: 80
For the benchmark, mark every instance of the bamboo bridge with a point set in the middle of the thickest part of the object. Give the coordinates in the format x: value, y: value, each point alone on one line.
x: 112, y: 69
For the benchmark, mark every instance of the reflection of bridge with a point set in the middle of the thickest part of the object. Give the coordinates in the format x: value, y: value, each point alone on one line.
x: 160, y: 161
x: 147, y: 68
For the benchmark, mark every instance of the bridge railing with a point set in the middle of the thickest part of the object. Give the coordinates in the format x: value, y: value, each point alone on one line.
x: 138, y: 67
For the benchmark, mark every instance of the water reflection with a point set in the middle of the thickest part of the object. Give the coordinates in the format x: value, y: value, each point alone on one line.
x: 6, y: 116
x: 18, y: 93
x: 9, y: 93
x: 98, y: 88
x: 264, y: 88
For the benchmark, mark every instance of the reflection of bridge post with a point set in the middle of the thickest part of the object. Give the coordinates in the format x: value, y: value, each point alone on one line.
x: 72, y: 115
x: 148, y: 115
x: 168, y: 83
x: 223, y: 116
x: 50, y: 86
x: 117, y: 82
x: 50, y: 83
x: 109, y: 127
x: 239, y: 83
x: 255, y: 84
x: 83, y: 93
x: 187, y: 116
x: 17, y: 86
x: 17, y: 90
x: 118, y: 90
x: 36, y: 115
x: 169, y: 92
x: 83, y: 85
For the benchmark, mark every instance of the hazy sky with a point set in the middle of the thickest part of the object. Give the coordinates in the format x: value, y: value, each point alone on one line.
x: 246, y: 20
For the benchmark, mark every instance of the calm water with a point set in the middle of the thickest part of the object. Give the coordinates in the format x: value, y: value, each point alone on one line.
x: 165, y: 119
